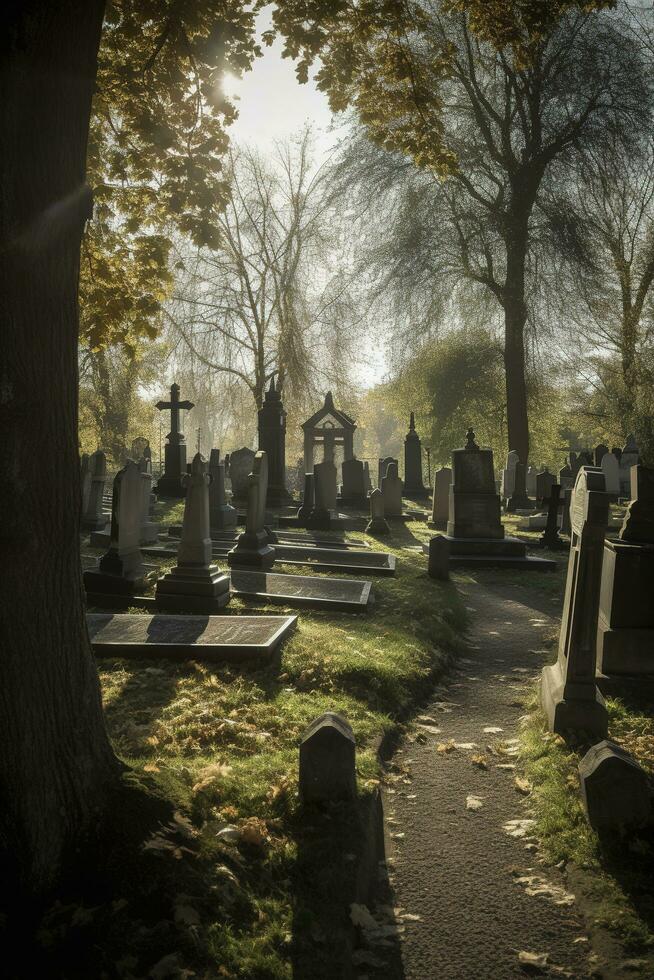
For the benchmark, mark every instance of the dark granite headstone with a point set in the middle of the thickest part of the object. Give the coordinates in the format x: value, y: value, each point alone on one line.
x: 550, y: 536
x: 413, y: 485
x: 439, y: 558
x: 353, y: 490
x: 121, y: 569
x: 93, y: 518
x: 377, y: 523
x: 327, y: 761
x: 272, y: 440
x: 474, y: 502
x: 614, y: 789
x: 308, y: 498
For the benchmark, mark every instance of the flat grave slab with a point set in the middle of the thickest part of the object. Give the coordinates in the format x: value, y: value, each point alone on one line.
x: 488, y: 553
x: 285, y: 537
x: 322, y: 559
x: 214, y: 638
x: 344, y: 595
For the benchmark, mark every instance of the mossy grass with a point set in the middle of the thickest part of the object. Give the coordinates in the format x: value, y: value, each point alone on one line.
x: 249, y: 884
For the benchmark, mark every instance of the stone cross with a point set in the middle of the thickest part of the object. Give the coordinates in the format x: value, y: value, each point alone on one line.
x: 174, y: 405
x: 252, y: 547
x: 170, y: 484
x: 569, y: 694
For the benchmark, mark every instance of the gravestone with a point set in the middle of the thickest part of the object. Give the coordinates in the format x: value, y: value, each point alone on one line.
x: 120, y: 570
x: 93, y: 518
x: 149, y: 529
x: 377, y: 523
x: 614, y: 789
x: 544, y: 483
x: 213, y: 638
x: 600, y: 453
x: 441, y: 502
x: 550, y: 536
x: 325, y: 481
x: 569, y: 694
x: 474, y: 510
x: 221, y: 515
x: 382, y: 466
x: 438, y: 565
x: 566, y: 479
x: 170, y: 483
x: 240, y: 467
x: 336, y: 594
x: 532, y: 478
x: 328, y: 761
x: 391, y: 489
x: 353, y: 490
x: 272, y: 440
x: 629, y: 457
x: 195, y: 584
x: 625, y: 634
x: 611, y: 469
x: 253, y: 548
x: 518, y: 499
x: 413, y: 485
x: 308, y: 498
x: 507, y: 483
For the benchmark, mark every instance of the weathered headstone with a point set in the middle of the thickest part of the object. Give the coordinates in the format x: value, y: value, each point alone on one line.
x: 325, y: 478
x: 93, y: 518
x: 474, y: 504
x: 438, y: 565
x: 544, y: 483
x: 566, y: 479
x: 221, y: 515
x: 614, y: 789
x: 413, y: 485
x: 629, y: 457
x: 308, y: 498
x: 569, y: 694
x: 353, y: 490
x: 328, y: 761
x: 441, y: 502
x: 253, y: 548
x: 149, y: 529
x: 170, y: 482
x: 507, y: 484
x: 600, y: 453
x: 240, y: 466
x: 532, y: 477
x: 195, y: 584
x: 377, y: 523
x: 625, y: 634
x: 391, y: 489
x: 272, y: 440
x: 121, y: 569
x: 518, y: 499
x: 382, y: 466
x: 611, y: 469
x: 550, y: 536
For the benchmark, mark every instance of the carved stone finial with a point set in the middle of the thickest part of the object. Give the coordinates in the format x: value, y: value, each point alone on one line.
x: 412, y: 421
x: 470, y: 440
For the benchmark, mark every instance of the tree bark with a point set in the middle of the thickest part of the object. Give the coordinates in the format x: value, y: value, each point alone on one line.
x: 56, y: 763
x: 515, y: 318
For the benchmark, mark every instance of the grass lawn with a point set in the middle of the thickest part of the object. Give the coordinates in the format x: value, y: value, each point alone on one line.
x: 240, y: 882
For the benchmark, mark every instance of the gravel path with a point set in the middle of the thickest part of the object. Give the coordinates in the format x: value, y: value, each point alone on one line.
x: 457, y: 867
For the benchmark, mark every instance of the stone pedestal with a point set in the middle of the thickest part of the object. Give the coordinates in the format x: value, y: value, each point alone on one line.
x: 413, y: 485
x: 272, y: 440
x: 569, y: 695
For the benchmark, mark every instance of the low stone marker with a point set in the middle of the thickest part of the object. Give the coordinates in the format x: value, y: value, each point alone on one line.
x: 195, y: 584
x: 569, y: 694
x: 353, y: 490
x: 377, y: 523
x: 441, y: 502
x: 93, y: 518
x: 391, y: 488
x: 121, y: 569
x: 253, y: 548
x: 328, y: 761
x: 438, y: 565
x: 221, y: 515
x: 614, y: 789
x: 240, y: 466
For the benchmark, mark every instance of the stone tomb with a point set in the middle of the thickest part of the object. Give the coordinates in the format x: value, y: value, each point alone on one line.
x: 240, y: 466
x: 343, y: 595
x: 213, y: 638
x: 474, y: 530
x: 569, y: 695
x: 441, y: 502
x: 625, y: 633
x: 328, y: 419
x: 413, y: 485
x: 195, y: 584
x: 252, y: 548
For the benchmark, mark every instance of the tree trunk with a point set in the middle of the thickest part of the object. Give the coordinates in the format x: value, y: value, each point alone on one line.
x: 515, y: 318
x: 56, y: 763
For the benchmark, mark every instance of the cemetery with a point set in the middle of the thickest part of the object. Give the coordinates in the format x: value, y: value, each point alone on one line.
x: 327, y: 614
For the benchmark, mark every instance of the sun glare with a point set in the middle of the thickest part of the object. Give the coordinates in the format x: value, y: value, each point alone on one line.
x: 230, y: 85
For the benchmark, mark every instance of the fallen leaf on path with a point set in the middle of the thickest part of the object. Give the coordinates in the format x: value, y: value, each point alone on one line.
x: 480, y: 761
x: 474, y: 802
x: 466, y: 746
x: 536, y: 962
x: 523, y: 785
x: 540, y: 888
x: 510, y: 766
x: 518, y: 828
x: 492, y: 730
x: 444, y: 747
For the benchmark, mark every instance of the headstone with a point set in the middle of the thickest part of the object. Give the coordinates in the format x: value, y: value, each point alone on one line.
x: 325, y: 481
x: 532, y: 477
x: 195, y: 584
x: 611, y: 469
x: 441, y: 502
x: 600, y: 453
x: 629, y: 457
x: 474, y: 505
x: 240, y: 466
x: 308, y: 498
x: 170, y: 483
x: 518, y: 499
x: 272, y: 440
x: 625, y: 635
x: 377, y: 523
x: 149, y: 529
x: 213, y: 638
x: 353, y: 491
x: 614, y: 789
x: 93, y: 518
x: 327, y: 761
x: 382, y: 466
x: 508, y: 475
x: 221, y: 515
x: 569, y: 694
x: 391, y: 489
x: 413, y: 485
x: 439, y: 558
x: 566, y: 479
x: 550, y: 536
x: 544, y: 483
x: 121, y: 569
x: 253, y: 548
